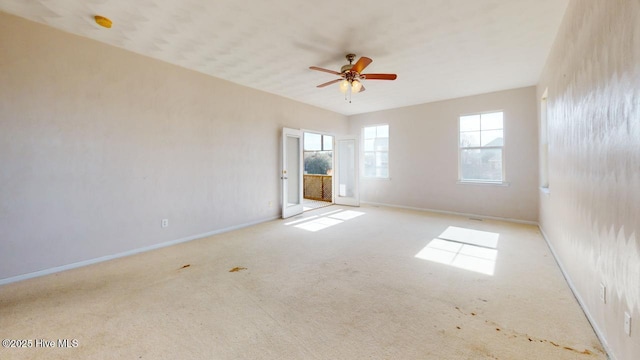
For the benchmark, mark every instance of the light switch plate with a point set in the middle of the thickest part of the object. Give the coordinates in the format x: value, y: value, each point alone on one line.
x: 603, y: 293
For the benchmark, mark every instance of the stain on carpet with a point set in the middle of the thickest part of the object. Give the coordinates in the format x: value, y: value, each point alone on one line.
x: 237, y: 268
x: 515, y: 334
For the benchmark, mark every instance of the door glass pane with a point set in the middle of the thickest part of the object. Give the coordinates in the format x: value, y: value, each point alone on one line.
x: 293, y: 169
x: 327, y: 142
x: 346, y: 173
x: 312, y: 142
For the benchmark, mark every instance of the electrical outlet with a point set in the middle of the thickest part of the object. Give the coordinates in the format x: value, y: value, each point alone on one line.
x: 627, y: 323
x: 165, y: 223
x: 603, y: 293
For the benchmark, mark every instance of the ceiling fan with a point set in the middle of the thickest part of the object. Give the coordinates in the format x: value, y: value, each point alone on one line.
x: 351, y: 75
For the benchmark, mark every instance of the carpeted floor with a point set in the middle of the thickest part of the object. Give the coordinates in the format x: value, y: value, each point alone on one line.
x: 309, y: 204
x: 334, y: 283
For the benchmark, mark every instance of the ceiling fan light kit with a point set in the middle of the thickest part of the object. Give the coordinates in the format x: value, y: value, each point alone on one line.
x: 351, y: 75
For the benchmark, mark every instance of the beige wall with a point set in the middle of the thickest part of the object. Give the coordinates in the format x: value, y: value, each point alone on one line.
x: 98, y: 144
x: 423, y: 157
x: 592, y: 214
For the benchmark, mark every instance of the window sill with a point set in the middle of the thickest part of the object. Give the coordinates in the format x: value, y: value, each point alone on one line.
x: 483, y: 183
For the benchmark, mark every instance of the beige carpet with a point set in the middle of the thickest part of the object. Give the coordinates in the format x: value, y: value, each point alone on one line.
x: 336, y: 283
x: 308, y: 204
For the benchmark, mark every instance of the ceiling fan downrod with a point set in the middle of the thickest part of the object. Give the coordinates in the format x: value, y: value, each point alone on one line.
x: 347, y: 68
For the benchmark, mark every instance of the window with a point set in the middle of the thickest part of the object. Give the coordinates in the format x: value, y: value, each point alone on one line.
x: 481, y: 142
x: 544, y: 144
x: 376, y: 151
x: 318, y: 154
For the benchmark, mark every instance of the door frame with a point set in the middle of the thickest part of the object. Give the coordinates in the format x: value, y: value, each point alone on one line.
x: 333, y: 159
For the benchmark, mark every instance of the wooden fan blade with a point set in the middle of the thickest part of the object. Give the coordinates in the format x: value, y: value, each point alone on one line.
x: 380, y: 76
x: 361, y: 64
x: 329, y: 83
x: 324, y: 70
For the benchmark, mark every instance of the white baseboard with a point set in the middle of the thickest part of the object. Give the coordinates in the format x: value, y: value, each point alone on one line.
x: 586, y: 312
x: 454, y: 213
x: 127, y: 253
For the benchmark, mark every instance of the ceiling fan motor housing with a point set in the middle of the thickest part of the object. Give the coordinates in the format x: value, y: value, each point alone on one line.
x: 350, y: 58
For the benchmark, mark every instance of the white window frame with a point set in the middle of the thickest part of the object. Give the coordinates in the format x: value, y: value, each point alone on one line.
x: 501, y: 182
x: 388, y: 151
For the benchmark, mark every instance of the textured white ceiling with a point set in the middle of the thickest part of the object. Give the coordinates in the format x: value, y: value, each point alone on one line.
x: 440, y: 49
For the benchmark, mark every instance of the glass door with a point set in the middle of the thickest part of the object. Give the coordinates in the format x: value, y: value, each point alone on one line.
x: 291, y: 174
x: 346, y: 171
